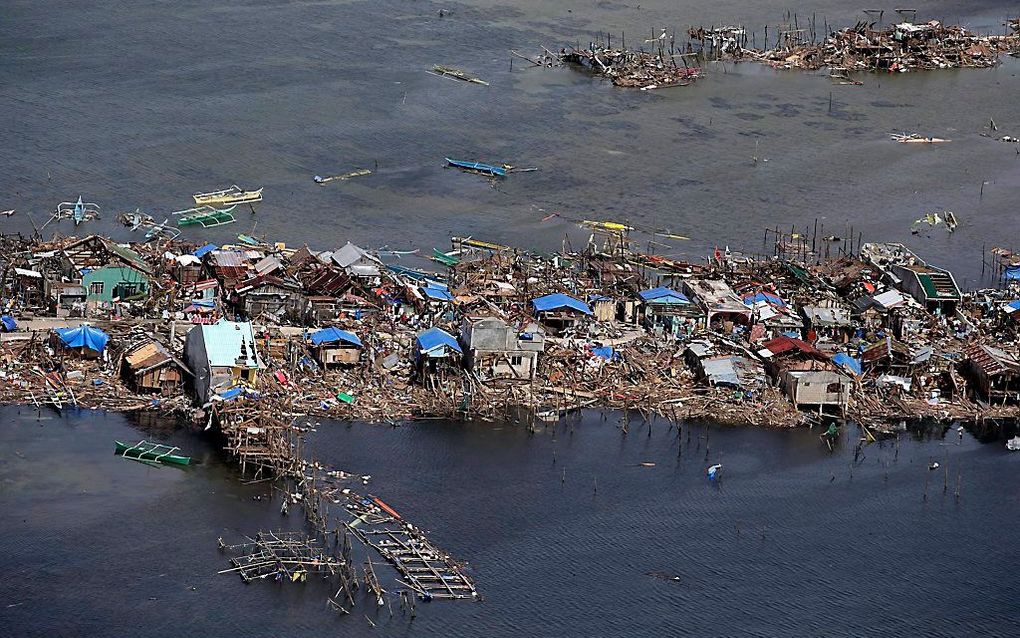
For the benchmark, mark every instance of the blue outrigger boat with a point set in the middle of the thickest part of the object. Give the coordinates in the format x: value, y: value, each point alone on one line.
x: 478, y: 167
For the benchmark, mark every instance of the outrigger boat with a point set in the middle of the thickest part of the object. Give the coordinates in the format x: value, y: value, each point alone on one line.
x: 205, y: 216
x: 477, y: 167
x: 233, y: 195
x: 612, y: 227
x: 154, y: 452
x: 162, y: 230
x: 7, y: 213
x: 79, y: 211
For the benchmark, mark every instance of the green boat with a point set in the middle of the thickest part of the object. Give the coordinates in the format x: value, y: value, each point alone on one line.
x: 157, y: 452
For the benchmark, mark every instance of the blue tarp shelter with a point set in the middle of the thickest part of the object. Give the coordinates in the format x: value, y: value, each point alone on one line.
x: 84, y: 337
x: 204, y: 250
x: 9, y: 324
x: 767, y: 297
x: 559, y: 301
x: 436, y: 294
x: 607, y: 353
x: 847, y: 362
x: 334, y: 335
x: 663, y: 295
x: 436, y: 342
x: 1011, y: 272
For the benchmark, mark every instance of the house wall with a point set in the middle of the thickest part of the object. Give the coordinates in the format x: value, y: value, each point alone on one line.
x: 112, y: 278
x: 817, y: 388
x: 194, y: 353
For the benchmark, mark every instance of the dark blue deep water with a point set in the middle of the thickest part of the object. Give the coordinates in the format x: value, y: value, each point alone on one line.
x: 793, y: 541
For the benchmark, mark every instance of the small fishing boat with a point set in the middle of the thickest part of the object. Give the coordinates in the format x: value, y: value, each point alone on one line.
x: 322, y: 181
x: 613, y: 227
x: 477, y: 167
x: 914, y: 138
x: 154, y: 452
x: 7, y: 213
x: 161, y: 230
x: 457, y: 74
x: 205, y: 216
x: 1013, y: 445
x: 80, y: 211
x: 233, y: 195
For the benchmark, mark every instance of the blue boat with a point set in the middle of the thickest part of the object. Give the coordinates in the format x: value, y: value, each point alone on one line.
x: 478, y: 167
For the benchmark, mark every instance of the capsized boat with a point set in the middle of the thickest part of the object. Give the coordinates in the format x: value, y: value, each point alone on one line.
x: 457, y: 74
x: 233, y: 195
x: 322, y: 181
x: 477, y: 167
x: 155, y: 452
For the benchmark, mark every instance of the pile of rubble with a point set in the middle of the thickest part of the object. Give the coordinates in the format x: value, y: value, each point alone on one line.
x: 634, y: 69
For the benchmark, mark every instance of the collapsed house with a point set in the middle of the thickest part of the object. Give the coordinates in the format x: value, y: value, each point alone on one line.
x: 807, y: 375
x: 994, y: 373
x: 150, y: 367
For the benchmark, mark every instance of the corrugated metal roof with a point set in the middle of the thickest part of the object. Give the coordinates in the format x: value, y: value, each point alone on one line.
x: 224, y: 341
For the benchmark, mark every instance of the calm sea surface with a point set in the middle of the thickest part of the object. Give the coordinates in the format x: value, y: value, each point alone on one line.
x: 793, y: 540
x: 140, y: 104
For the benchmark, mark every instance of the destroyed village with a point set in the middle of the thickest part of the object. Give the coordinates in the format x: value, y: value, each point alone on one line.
x: 530, y: 320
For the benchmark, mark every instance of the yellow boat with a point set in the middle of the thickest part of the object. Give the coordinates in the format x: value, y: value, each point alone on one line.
x: 615, y: 227
x: 233, y: 195
x: 477, y: 243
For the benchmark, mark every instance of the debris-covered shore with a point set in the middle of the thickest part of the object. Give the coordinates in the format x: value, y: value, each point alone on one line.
x: 663, y: 60
x: 491, y: 332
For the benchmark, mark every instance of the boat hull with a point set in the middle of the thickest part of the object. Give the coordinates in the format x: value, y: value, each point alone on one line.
x: 146, y: 454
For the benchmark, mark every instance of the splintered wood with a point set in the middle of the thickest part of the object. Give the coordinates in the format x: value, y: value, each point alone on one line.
x: 268, y: 448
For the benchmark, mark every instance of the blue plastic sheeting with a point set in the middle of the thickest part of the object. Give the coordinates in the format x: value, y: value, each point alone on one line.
x: 1011, y: 272
x: 10, y: 325
x: 559, y: 300
x: 846, y: 361
x: 1015, y: 305
x: 332, y: 335
x: 595, y: 298
x: 204, y: 250
x: 767, y: 297
x: 664, y: 296
x: 606, y: 352
x: 439, y: 294
x: 84, y: 337
x: 434, y: 338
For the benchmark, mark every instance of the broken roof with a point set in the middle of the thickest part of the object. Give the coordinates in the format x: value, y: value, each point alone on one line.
x: 992, y: 361
x: 559, y: 301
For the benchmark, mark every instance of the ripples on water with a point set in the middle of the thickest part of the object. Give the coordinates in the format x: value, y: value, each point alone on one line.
x: 787, y: 543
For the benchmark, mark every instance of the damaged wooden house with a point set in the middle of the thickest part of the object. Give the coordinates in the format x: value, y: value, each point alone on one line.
x: 495, y: 350
x: 150, y: 367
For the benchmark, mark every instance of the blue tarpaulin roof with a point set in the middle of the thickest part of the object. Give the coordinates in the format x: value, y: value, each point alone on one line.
x: 208, y: 248
x: 768, y: 297
x: 848, y: 362
x: 1015, y: 305
x: 330, y: 335
x: 84, y: 337
x: 439, y: 294
x: 559, y: 300
x: 663, y: 295
x: 9, y: 323
x: 434, y: 338
x: 1011, y: 272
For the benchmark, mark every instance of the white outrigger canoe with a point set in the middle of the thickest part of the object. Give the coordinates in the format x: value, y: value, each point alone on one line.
x: 233, y: 195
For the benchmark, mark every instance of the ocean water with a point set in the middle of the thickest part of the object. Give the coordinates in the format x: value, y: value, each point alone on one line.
x: 564, y: 531
x: 141, y: 104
